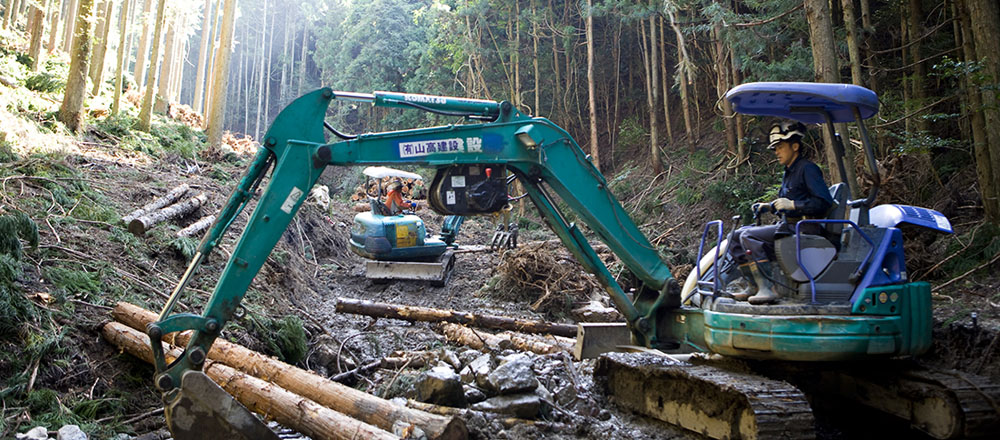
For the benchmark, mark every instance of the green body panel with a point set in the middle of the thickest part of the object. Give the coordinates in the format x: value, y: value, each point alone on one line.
x: 393, y: 238
x: 906, y: 331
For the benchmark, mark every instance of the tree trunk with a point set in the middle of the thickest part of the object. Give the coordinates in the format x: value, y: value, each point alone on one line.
x: 977, y: 121
x: 260, y: 77
x: 206, y: 32
x: 919, y: 94
x: 302, y: 60
x: 851, y: 23
x: 178, y: 57
x: 722, y: 69
x: 35, y: 48
x: 142, y: 52
x: 479, y: 340
x: 71, y: 110
x: 146, y: 113
x: 14, y: 7
x: 826, y: 70
x: 285, y: 62
x: 120, y: 58
x: 8, y: 11
x: 416, y: 313
x: 213, y: 53
x: 257, y: 395
x: 142, y: 224
x: 54, y: 19
x: 72, y: 15
x: 683, y: 64
x: 220, y: 75
x: 591, y: 95
x: 654, y: 82
x: 97, y: 66
x: 267, y: 75
x: 984, y: 16
x: 866, y: 17
x: 169, y: 198
x: 160, y: 100
x: 665, y: 80
x: 352, y: 402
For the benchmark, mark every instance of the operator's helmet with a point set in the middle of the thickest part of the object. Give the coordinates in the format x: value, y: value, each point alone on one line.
x: 790, y: 131
x: 394, y: 185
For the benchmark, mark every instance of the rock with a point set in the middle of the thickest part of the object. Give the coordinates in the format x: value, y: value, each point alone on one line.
x: 71, y: 432
x: 325, y: 355
x: 478, y: 370
x: 473, y: 394
x: 122, y: 436
x: 469, y: 355
x: 524, y: 405
x: 513, y: 376
x: 594, y: 311
x: 405, y: 430
x: 441, y: 386
x: 36, y: 433
x: 450, y: 357
x: 155, y: 435
x: 565, y: 393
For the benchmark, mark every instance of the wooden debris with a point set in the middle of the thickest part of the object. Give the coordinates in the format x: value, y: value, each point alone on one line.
x: 197, y: 226
x: 171, y: 197
x: 415, y: 313
x: 460, y: 334
x: 412, y: 188
x: 244, y: 146
x: 363, y: 406
x: 507, y: 422
x: 142, y: 224
x: 186, y: 115
x: 260, y: 396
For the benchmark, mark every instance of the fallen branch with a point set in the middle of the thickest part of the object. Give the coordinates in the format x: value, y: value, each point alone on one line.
x: 170, y: 198
x: 289, y: 409
x: 354, y: 403
x: 142, y: 224
x: 415, y: 313
x: 970, y: 272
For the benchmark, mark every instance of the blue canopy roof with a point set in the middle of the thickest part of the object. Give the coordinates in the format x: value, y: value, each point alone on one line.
x: 780, y: 98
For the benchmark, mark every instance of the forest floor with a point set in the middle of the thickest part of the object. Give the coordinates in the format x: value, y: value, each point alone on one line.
x: 76, y: 188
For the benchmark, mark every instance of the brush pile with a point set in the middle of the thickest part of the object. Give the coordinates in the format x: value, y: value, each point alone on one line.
x: 186, y: 115
x: 545, y: 275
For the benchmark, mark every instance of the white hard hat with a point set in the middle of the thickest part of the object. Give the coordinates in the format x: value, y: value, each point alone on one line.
x: 791, y: 131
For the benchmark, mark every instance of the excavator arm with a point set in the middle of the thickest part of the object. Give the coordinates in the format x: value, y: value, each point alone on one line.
x: 543, y: 156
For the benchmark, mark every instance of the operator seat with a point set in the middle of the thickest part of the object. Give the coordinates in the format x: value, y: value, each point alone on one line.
x: 817, y: 250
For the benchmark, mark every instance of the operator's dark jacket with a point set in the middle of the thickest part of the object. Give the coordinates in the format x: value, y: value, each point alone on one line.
x: 802, y: 183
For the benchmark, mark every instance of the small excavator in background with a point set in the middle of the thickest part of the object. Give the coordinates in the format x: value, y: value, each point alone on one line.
x: 397, y: 245
x: 857, y: 313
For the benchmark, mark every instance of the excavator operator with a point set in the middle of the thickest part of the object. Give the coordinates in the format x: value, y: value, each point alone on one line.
x: 394, y: 199
x: 803, y: 195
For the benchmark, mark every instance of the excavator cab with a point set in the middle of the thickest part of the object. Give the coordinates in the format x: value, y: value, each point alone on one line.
x: 845, y: 293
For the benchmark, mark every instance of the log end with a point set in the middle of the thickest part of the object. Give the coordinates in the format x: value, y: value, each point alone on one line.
x: 455, y: 429
x: 137, y: 228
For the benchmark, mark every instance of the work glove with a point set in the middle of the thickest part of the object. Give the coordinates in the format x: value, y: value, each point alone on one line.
x: 760, y: 208
x: 783, y: 204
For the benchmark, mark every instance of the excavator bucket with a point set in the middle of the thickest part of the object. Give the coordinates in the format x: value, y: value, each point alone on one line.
x: 200, y: 409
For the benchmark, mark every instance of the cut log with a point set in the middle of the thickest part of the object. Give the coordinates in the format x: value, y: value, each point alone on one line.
x: 142, y: 224
x: 415, y: 313
x: 197, y: 226
x: 357, y: 404
x: 289, y: 409
x: 460, y: 334
x: 170, y: 198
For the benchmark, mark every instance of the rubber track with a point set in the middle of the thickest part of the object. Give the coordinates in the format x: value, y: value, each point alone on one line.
x: 978, y: 399
x: 635, y: 380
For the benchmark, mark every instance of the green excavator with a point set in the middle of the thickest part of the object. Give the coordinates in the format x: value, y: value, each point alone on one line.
x: 397, y: 244
x: 850, y: 301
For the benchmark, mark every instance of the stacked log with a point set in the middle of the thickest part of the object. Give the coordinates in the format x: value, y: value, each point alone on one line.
x: 140, y: 225
x: 196, y: 227
x: 169, y: 198
x: 306, y: 416
x: 412, y: 188
x: 351, y: 402
x: 462, y: 335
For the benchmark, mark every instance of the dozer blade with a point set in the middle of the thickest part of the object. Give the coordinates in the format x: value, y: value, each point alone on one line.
x: 200, y: 409
x: 437, y: 272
